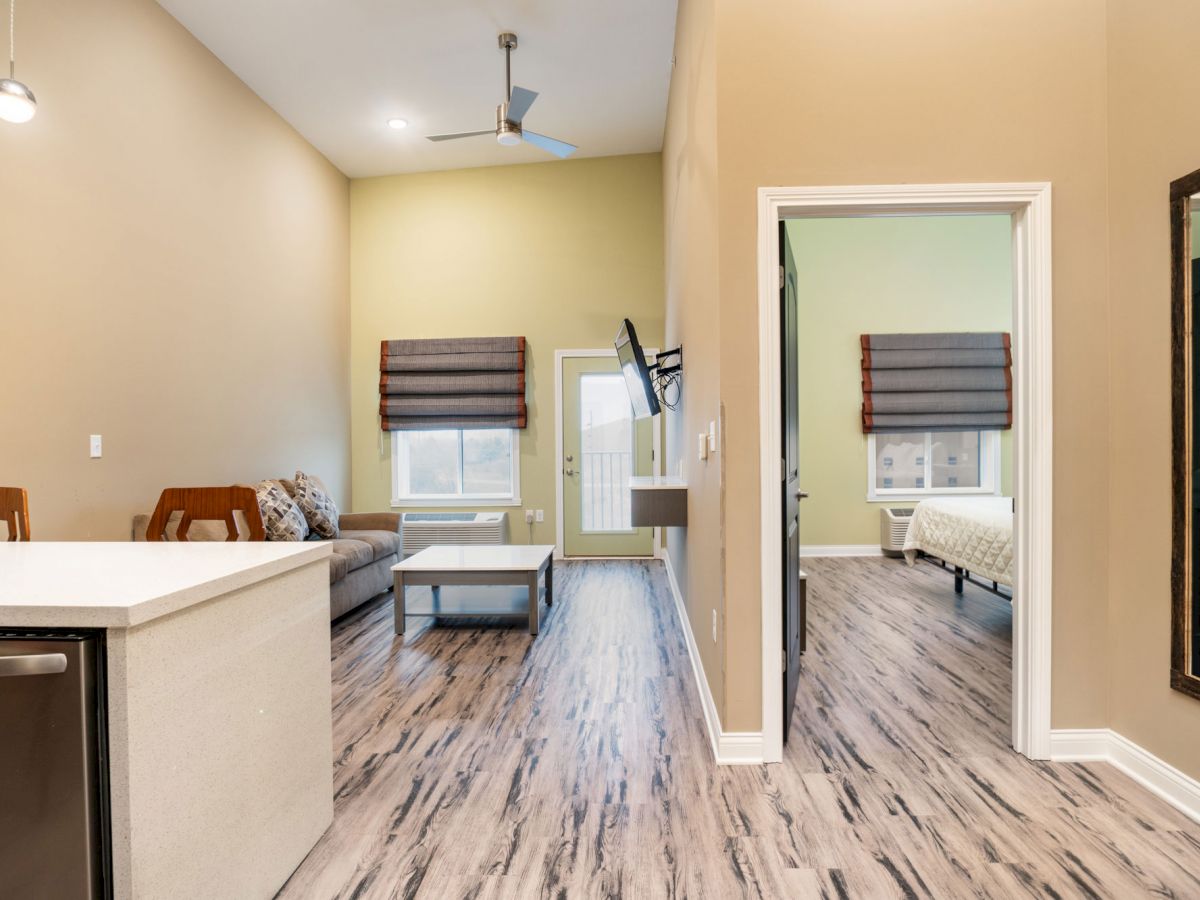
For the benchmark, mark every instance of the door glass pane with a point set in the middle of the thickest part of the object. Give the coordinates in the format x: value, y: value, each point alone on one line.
x: 956, y: 459
x: 606, y: 447
x: 899, y: 461
x: 487, y: 462
x: 432, y: 462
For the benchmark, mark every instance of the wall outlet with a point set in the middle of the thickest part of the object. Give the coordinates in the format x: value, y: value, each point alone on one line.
x: 714, y: 626
x: 540, y: 515
x: 529, y: 517
x: 96, y: 446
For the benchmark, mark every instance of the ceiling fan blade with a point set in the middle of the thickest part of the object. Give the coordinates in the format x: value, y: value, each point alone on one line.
x: 561, y: 149
x: 519, y: 103
x: 455, y: 137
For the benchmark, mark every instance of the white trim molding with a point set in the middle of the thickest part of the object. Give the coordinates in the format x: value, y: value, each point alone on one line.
x: 1033, y: 441
x: 840, y: 550
x: 729, y: 747
x: 1105, y: 745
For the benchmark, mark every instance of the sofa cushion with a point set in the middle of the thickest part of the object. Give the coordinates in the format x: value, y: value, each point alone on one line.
x: 317, y: 505
x: 383, y: 543
x: 339, y: 567
x: 356, y: 553
x: 282, y: 519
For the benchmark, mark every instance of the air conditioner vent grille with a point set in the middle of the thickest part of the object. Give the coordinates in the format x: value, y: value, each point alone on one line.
x: 422, y: 530
x: 893, y: 529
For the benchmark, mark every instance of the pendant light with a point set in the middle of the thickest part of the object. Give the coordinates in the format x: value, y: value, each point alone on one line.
x: 17, y: 103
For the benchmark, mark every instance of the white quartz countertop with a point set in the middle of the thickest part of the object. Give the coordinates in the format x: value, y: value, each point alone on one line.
x: 117, y: 585
x: 657, y: 483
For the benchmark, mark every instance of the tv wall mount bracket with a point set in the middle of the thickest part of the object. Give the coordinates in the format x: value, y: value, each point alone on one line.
x: 666, y: 373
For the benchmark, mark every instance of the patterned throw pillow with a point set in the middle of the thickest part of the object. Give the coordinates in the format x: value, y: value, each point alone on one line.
x: 318, y: 507
x: 282, y: 518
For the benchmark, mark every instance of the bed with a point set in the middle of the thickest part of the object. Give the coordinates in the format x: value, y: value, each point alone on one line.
x: 973, y: 535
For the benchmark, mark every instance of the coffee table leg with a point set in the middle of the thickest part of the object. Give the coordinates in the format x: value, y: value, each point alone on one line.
x: 550, y: 581
x: 534, y: 612
x: 398, y: 591
x: 436, y: 590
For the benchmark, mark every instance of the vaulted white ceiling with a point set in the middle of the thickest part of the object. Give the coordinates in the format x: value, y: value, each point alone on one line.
x: 337, y: 70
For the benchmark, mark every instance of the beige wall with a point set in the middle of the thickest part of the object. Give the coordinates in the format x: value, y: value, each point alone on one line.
x: 877, y: 275
x: 175, y: 276
x: 693, y: 320
x: 1152, y: 142
x: 558, y: 252
x: 872, y: 92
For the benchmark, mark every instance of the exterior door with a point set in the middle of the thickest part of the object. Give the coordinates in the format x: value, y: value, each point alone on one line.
x: 794, y: 596
x: 603, y: 445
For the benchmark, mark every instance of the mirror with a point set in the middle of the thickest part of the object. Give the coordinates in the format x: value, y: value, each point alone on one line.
x: 1185, y: 435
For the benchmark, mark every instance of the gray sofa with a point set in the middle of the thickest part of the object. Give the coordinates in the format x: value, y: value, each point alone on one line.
x: 360, y: 567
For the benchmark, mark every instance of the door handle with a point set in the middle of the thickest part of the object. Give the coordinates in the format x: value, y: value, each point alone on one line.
x: 801, y: 495
x: 568, y: 471
x: 33, y: 664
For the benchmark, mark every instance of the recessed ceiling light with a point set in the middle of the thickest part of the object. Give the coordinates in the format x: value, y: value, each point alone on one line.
x: 398, y: 124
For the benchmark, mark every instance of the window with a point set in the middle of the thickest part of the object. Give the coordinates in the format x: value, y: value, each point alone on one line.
x: 931, y: 463
x: 606, y: 442
x: 456, y: 466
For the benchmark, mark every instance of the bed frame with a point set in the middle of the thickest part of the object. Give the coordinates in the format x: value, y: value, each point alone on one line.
x: 961, y: 574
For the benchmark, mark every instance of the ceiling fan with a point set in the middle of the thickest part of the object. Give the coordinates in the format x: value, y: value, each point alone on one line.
x: 509, y: 114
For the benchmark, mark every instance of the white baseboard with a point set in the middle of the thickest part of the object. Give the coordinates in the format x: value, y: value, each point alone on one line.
x: 1103, y: 744
x: 840, y: 550
x: 729, y: 747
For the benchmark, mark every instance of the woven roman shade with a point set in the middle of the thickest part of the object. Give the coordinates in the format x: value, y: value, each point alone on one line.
x: 936, y: 382
x: 428, y: 383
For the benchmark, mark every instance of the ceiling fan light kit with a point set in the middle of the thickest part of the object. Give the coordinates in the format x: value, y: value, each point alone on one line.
x: 510, y: 114
x: 17, y: 103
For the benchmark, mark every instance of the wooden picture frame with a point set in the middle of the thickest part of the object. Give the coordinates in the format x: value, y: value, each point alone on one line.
x: 1184, y: 678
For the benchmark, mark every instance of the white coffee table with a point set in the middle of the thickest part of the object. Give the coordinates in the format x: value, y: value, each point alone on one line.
x: 494, y: 564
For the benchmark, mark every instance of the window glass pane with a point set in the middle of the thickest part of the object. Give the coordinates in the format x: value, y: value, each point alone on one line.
x: 606, y: 444
x: 957, y: 461
x: 899, y: 461
x: 487, y: 461
x: 432, y: 462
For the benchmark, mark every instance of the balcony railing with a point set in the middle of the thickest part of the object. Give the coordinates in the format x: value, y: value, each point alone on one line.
x: 606, y: 500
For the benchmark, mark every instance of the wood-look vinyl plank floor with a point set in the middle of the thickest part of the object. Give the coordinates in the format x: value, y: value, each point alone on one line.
x: 473, y: 761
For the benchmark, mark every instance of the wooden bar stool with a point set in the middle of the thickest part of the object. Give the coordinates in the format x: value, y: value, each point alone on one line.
x: 14, y: 509
x: 199, y: 504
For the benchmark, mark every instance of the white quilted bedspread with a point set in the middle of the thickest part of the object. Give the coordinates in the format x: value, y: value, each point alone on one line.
x: 973, y: 532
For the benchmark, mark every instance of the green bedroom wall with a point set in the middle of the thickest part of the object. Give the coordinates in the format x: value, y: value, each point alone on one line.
x: 558, y: 252
x: 856, y: 276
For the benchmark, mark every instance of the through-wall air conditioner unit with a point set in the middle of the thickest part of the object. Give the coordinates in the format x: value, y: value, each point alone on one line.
x: 893, y: 529
x: 421, y: 530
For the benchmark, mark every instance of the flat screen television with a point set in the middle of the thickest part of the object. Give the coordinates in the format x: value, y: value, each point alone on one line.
x: 636, y: 372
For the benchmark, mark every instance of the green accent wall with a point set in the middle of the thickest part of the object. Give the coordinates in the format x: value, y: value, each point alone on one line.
x: 878, y: 275
x: 558, y: 252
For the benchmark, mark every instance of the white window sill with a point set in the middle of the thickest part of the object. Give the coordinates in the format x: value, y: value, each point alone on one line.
x: 425, y: 502
x: 915, y: 496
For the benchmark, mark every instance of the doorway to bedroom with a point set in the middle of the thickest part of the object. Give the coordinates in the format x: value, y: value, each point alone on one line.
x: 909, y: 312
x: 901, y: 390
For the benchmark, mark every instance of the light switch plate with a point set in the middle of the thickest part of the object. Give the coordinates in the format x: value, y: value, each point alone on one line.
x: 702, y: 446
x: 540, y: 515
x: 96, y: 446
x: 712, y: 437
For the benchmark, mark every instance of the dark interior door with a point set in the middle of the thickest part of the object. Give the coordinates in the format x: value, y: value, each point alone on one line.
x: 793, y: 596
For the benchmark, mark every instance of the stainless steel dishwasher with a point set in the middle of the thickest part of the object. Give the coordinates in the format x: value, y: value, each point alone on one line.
x: 53, y: 770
